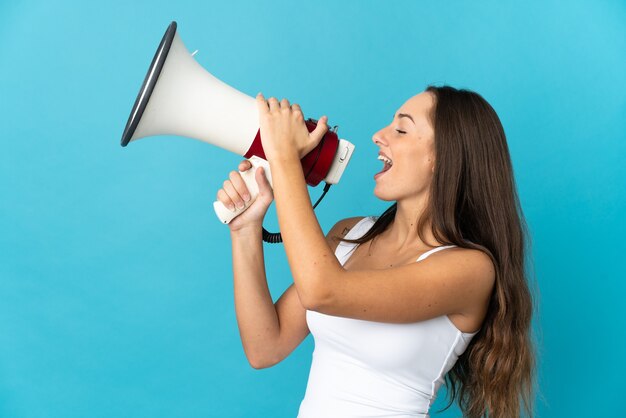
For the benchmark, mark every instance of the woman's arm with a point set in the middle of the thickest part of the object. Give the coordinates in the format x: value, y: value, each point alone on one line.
x: 269, y: 332
x: 256, y: 315
x: 451, y: 281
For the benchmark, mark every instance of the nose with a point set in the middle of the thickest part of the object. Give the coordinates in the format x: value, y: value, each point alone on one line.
x: 379, y: 138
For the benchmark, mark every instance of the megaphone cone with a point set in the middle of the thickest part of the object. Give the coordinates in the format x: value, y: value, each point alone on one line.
x: 179, y: 97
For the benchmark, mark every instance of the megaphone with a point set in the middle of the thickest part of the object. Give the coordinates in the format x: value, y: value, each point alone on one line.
x: 179, y: 97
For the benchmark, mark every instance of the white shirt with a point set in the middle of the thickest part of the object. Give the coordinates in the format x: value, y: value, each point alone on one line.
x: 375, y: 369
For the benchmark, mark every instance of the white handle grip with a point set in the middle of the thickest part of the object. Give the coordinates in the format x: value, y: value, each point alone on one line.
x: 226, y: 215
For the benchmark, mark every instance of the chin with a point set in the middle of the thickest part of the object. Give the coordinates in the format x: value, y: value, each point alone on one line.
x: 384, y: 195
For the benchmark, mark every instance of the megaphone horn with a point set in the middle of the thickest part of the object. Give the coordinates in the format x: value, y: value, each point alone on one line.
x: 179, y: 97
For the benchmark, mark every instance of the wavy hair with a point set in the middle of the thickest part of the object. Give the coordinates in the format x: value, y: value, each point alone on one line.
x: 473, y: 203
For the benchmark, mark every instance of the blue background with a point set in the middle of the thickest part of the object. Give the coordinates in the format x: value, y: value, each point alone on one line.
x: 116, y: 283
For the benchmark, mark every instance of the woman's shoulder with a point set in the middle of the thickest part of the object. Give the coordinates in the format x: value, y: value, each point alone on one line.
x: 342, y: 227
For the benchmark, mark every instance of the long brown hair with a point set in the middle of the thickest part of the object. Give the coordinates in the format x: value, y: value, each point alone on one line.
x: 473, y: 203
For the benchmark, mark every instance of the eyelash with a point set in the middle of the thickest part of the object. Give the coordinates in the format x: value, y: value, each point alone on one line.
x: 400, y: 132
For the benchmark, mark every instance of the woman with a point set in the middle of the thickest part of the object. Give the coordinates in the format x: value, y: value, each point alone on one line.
x: 389, y: 330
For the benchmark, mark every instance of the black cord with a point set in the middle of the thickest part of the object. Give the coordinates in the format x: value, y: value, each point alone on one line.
x: 276, y: 237
x: 326, y: 189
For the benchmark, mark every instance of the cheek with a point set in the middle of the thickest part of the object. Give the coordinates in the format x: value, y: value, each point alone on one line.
x: 429, y: 161
x: 417, y: 166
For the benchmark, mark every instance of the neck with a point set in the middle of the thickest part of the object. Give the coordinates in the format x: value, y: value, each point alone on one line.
x: 403, y: 233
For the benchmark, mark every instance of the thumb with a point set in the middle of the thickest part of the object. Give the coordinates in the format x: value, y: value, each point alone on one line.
x: 265, y: 188
x: 318, y: 133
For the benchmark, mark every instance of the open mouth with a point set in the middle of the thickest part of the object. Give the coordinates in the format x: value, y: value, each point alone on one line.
x: 387, y: 161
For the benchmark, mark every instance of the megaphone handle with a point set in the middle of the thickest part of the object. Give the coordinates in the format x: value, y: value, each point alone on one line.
x: 226, y: 215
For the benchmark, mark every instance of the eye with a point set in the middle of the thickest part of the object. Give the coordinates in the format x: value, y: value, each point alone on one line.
x: 400, y: 132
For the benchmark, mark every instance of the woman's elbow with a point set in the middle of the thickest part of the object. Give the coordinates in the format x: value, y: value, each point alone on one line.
x: 315, y: 291
x: 259, y: 363
x: 316, y: 299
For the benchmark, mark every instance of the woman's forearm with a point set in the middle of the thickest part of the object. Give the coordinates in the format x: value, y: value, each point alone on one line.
x: 302, y: 234
x: 256, y: 314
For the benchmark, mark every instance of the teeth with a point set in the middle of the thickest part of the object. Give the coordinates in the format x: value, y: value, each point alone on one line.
x: 385, y: 159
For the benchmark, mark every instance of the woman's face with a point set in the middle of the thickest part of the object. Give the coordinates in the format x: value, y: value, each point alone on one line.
x: 408, y: 142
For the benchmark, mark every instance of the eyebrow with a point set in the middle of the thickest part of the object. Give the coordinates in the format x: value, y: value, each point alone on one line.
x: 405, y: 115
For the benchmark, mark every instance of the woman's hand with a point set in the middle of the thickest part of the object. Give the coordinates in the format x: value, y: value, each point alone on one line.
x: 234, y: 193
x: 283, y: 131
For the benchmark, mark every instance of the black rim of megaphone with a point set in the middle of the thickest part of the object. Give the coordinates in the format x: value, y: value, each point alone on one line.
x: 149, y: 82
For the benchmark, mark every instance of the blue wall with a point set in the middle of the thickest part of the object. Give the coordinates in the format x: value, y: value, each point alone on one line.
x: 115, y: 277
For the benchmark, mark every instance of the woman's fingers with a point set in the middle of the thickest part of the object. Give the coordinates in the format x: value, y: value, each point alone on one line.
x: 240, y: 188
x: 287, y: 122
x: 273, y: 103
x: 262, y: 104
x: 233, y: 195
x: 223, y: 197
x: 245, y: 165
x: 296, y: 108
